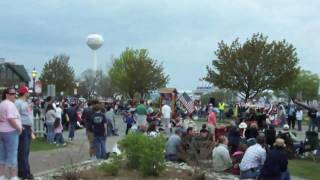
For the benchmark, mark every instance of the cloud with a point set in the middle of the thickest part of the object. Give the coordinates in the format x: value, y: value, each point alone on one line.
x: 183, y: 34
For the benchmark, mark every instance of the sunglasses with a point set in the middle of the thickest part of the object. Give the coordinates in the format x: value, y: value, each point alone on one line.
x: 12, y: 94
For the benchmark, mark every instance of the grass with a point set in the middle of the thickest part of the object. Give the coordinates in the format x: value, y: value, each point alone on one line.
x: 40, y: 144
x: 304, y: 168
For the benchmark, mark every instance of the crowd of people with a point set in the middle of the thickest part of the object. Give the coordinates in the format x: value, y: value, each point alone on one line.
x: 249, y: 146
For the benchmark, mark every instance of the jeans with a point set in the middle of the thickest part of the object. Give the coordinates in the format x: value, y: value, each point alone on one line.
x: 59, y: 138
x: 9, y: 148
x: 285, y: 175
x: 23, y: 152
x: 50, y: 133
x: 72, y: 128
x: 128, y: 128
x: 100, y: 146
x: 250, y: 174
x: 299, y: 125
x: 312, y: 124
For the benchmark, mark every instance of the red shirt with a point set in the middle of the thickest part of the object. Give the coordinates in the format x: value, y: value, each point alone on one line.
x: 212, y: 119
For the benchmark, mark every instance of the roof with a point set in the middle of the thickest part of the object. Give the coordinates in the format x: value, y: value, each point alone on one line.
x: 20, y: 71
x: 168, y: 90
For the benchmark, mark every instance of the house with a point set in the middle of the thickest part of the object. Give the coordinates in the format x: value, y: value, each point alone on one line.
x: 12, y: 75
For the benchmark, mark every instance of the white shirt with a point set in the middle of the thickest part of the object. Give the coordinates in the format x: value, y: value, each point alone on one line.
x: 59, y: 112
x: 166, y: 111
x: 299, y: 115
x: 254, y: 157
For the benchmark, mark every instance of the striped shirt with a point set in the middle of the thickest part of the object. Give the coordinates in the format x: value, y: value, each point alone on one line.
x: 254, y: 157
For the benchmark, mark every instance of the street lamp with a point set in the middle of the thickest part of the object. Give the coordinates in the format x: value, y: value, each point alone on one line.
x: 34, y: 74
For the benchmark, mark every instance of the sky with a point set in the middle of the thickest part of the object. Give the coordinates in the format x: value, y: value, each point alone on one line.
x: 182, y: 34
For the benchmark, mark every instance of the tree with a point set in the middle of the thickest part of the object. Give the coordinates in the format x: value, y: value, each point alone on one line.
x: 220, y: 95
x: 254, y: 66
x: 304, y: 87
x: 92, y: 82
x: 135, y: 72
x: 57, y: 71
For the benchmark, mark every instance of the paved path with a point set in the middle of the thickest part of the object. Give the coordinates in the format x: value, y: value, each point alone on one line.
x: 77, y: 151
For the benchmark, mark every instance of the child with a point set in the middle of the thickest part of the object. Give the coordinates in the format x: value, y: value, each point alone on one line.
x: 129, y: 121
x: 99, y: 127
x: 58, y: 129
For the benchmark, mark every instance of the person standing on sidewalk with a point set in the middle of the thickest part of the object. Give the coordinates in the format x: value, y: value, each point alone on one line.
x: 299, y: 116
x: 99, y: 127
x: 73, y: 119
x: 26, y: 114
x: 86, y: 117
x: 10, y: 128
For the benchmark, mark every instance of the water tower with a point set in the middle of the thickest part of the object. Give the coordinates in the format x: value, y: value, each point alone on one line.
x: 95, y: 41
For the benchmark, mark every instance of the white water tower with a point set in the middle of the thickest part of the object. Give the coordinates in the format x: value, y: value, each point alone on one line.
x: 94, y: 41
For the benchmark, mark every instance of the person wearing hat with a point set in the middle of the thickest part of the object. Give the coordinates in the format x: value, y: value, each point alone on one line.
x: 276, y: 164
x: 26, y: 113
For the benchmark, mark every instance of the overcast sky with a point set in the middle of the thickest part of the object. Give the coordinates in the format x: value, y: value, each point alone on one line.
x: 182, y: 34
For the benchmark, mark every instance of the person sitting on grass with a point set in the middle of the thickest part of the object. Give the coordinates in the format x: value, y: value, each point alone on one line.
x: 221, y: 156
x: 172, y: 145
x: 99, y: 127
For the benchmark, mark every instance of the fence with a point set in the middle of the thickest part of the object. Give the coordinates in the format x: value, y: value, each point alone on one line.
x: 38, y: 126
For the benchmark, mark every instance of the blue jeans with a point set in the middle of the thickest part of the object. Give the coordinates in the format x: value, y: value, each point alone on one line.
x: 312, y: 124
x: 23, y: 152
x: 9, y: 148
x: 100, y: 146
x: 72, y: 128
x: 50, y: 133
x: 59, y: 138
x: 285, y: 175
x: 250, y: 174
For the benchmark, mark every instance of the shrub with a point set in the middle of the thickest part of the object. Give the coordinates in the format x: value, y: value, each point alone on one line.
x: 144, y: 153
x: 113, y: 166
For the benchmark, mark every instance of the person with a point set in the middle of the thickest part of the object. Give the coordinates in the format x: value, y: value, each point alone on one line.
x: 50, y: 119
x: 221, y: 110
x: 36, y: 108
x: 312, y: 113
x: 73, y: 119
x: 252, y: 131
x: 86, y: 117
x: 110, y: 116
x: 172, y: 145
x: 291, y: 116
x: 221, y: 156
x: 253, y: 159
x: 129, y: 120
x: 25, y: 137
x: 166, y: 117
x: 141, y: 111
x: 99, y: 127
x: 283, y: 114
x: 212, y: 122
x: 58, y: 130
x: 10, y: 128
x: 299, y: 117
x: 276, y: 164
x: 234, y: 138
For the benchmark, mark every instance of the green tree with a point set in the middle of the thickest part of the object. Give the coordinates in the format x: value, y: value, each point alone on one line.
x: 220, y: 96
x: 135, y: 72
x: 57, y: 71
x: 254, y: 66
x: 304, y: 87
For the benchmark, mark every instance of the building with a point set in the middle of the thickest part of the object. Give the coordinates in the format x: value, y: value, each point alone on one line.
x: 12, y: 75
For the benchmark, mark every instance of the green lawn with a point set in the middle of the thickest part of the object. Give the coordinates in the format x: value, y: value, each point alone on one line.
x: 307, y: 169
x: 40, y: 144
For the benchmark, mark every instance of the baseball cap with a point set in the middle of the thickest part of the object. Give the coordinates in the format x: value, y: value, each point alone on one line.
x: 23, y: 90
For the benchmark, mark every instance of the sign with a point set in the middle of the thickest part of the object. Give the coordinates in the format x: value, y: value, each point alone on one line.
x: 51, y: 90
x: 38, y: 87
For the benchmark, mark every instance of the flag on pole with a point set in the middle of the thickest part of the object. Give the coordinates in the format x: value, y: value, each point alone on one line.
x: 187, y: 102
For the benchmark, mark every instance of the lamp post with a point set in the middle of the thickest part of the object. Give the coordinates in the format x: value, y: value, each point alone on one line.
x: 34, y: 76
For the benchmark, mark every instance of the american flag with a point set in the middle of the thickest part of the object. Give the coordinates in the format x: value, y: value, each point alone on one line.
x: 187, y: 102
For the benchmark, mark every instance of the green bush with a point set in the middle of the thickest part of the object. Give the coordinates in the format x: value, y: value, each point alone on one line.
x: 112, y: 167
x: 144, y: 153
